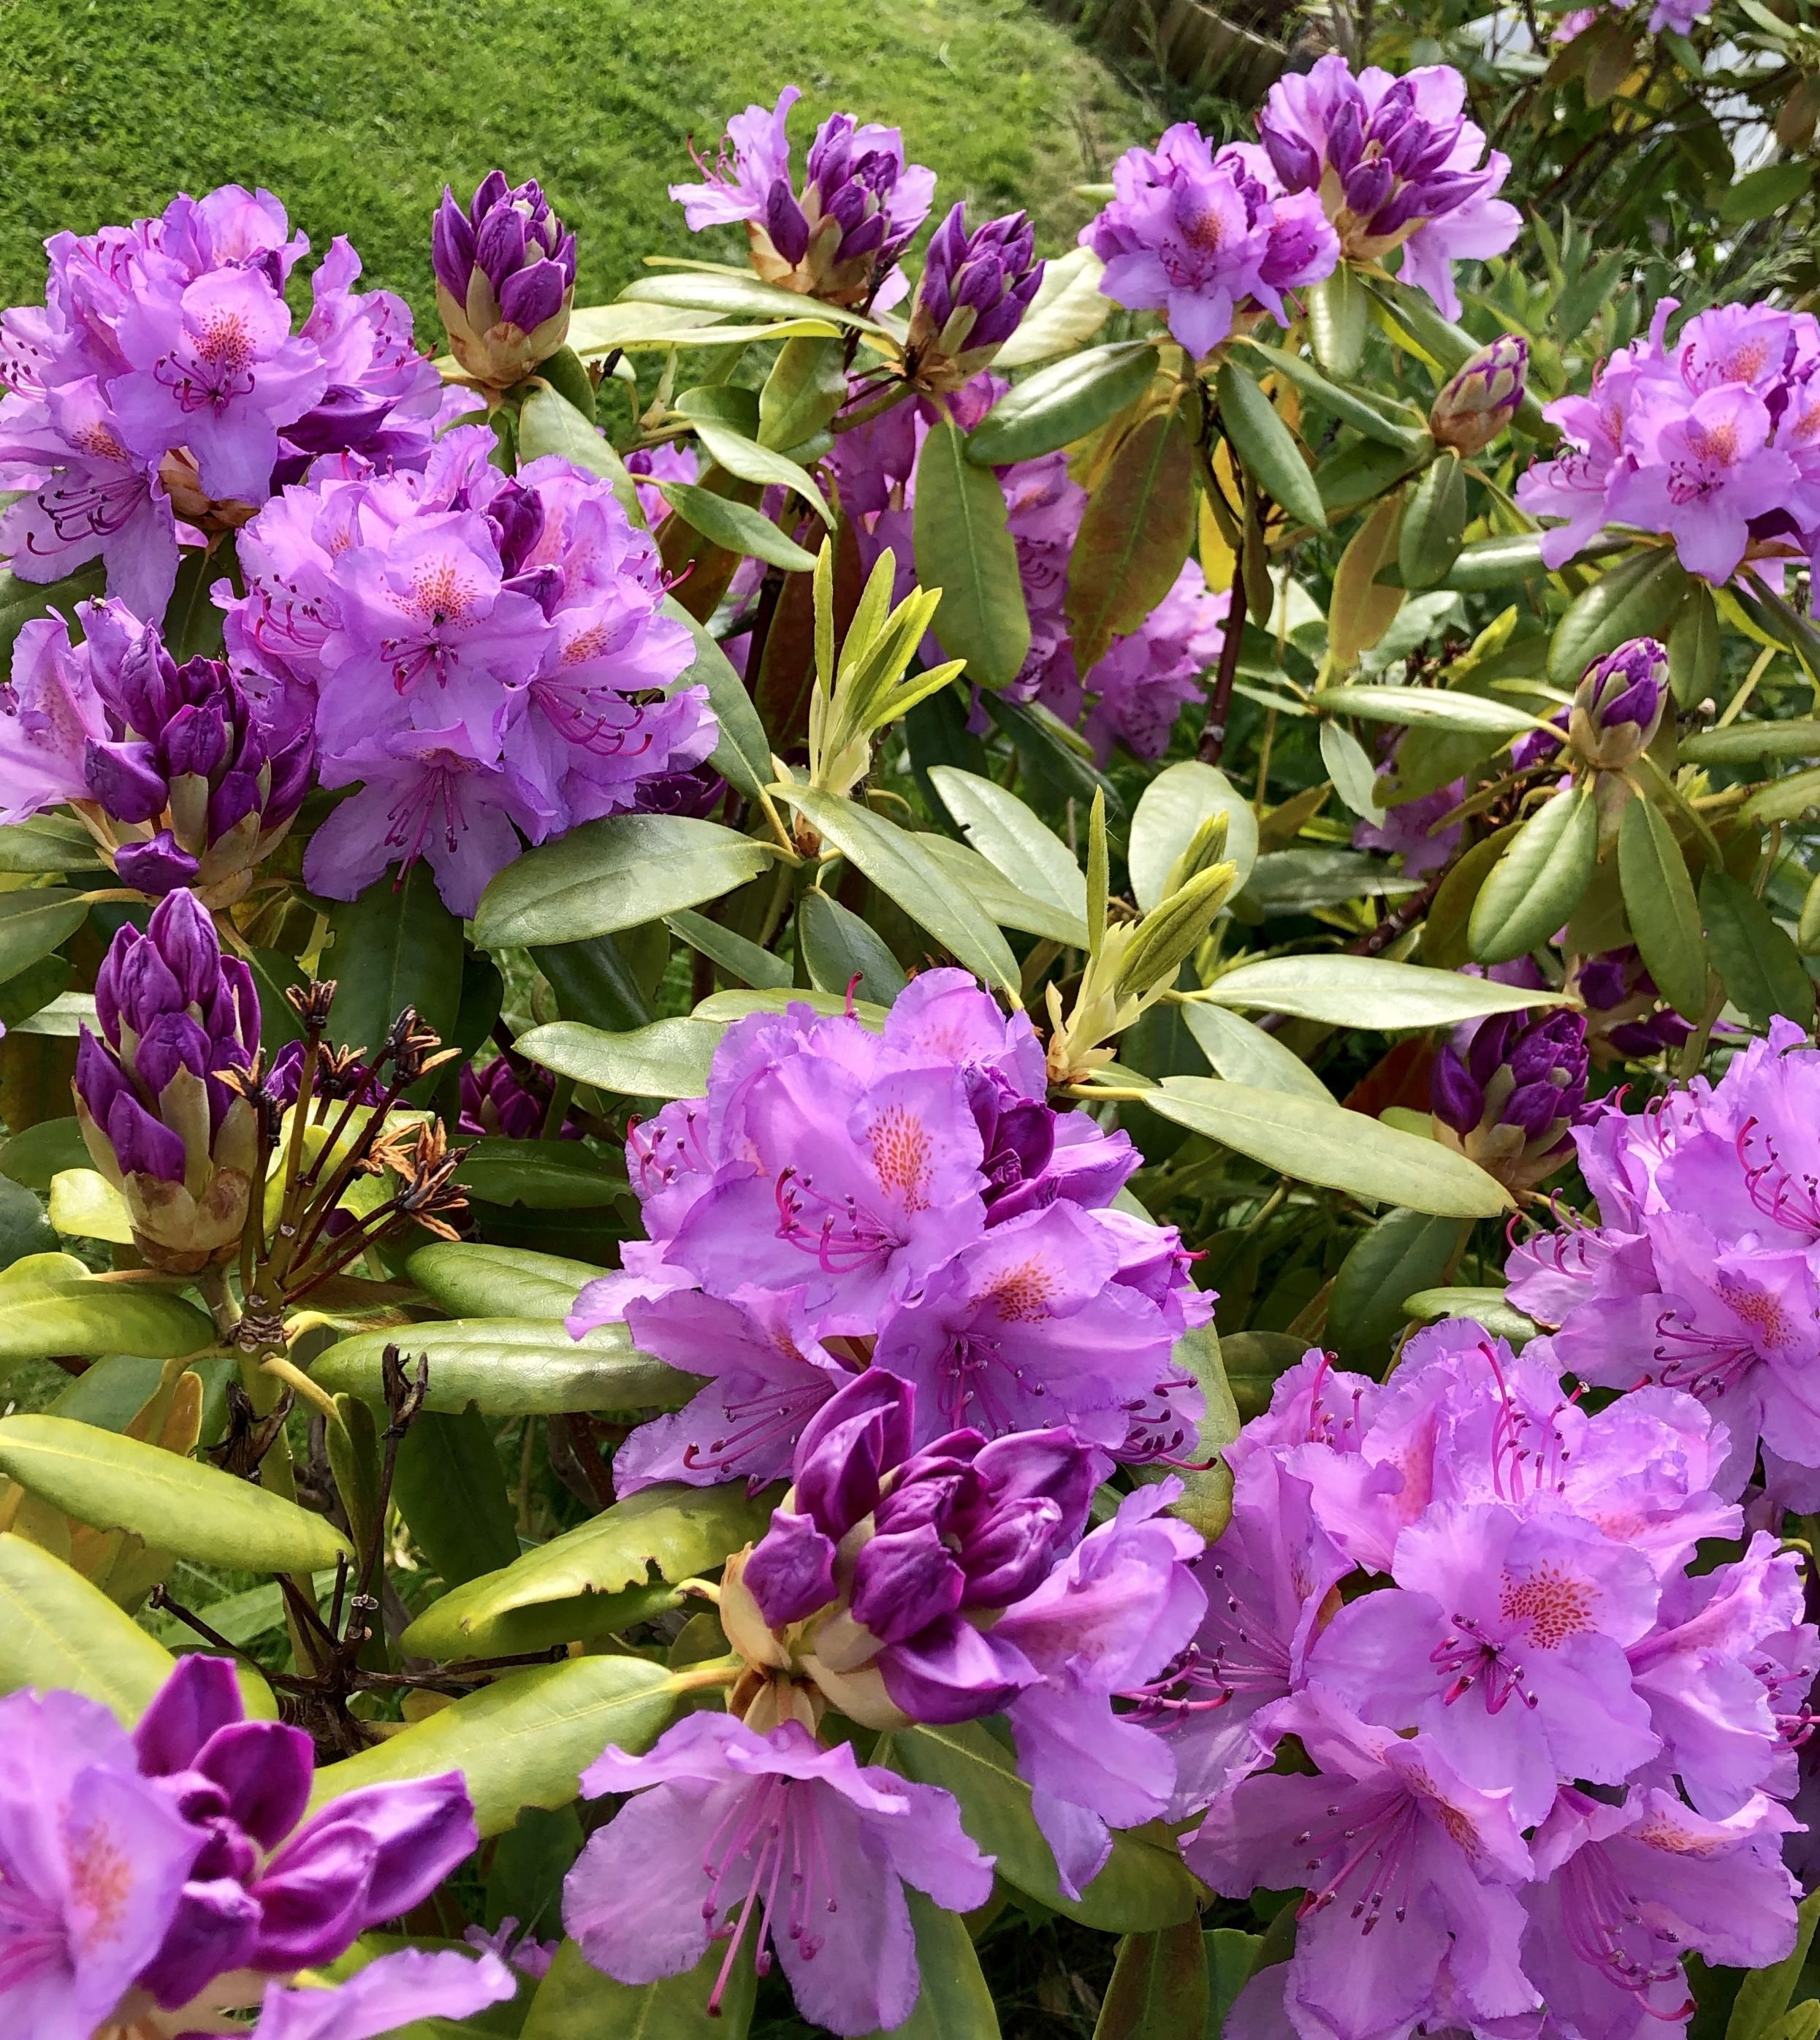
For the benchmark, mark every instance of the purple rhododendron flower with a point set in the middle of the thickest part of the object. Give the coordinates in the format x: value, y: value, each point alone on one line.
x: 396, y: 1990
x: 505, y: 278
x: 974, y: 291
x: 1202, y: 238
x: 1396, y: 164
x: 483, y: 656
x: 799, y: 1852
x: 840, y: 236
x: 840, y: 1195
x: 161, y: 392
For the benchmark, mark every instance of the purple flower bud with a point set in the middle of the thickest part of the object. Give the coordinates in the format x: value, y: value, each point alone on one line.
x: 125, y: 780
x: 157, y: 867
x: 1509, y: 1103
x: 1453, y: 1095
x: 141, y: 1144
x: 1367, y: 185
x: 506, y: 278
x: 1476, y: 405
x: 847, y: 1447
x: 1618, y: 705
x: 904, y: 1579
x: 790, y: 1573
x: 172, y: 1044
x: 975, y: 290
x: 696, y: 793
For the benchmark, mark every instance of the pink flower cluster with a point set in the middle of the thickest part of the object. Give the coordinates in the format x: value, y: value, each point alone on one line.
x: 485, y: 656
x: 1711, y: 440
x: 1460, y: 1685
x: 160, y: 392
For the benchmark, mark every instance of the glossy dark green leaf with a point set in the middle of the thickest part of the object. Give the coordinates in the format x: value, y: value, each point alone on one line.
x: 446, y: 1632
x: 1664, y: 914
x: 1230, y: 1956
x: 576, y: 2001
x: 668, y: 1059
x: 543, y: 1175
x: 1441, y: 708
x: 1133, y: 536
x: 34, y: 1156
x: 522, y: 1741
x: 1055, y: 756
x: 1339, y: 319
x: 1538, y: 882
x: 1254, y: 1361
x: 955, y: 2001
x: 733, y: 448
x: 1639, y: 597
x: 1267, y: 447
x: 1760, y: 967
x: 736, y: 525
x: 47, y: 844
x: 613, y: 874
x: 1434, y: 524
x: 1743, y: 743
x: 471, y: 1278
x: 512, y: 1367
x: 34, y: 923
x: 395, y: 945
x: 743, y: 756
x: 59, y: 1631
x: 964, y: 547
x: 593, y: 979
x: 1063, y: 403
x: 1759, y: 193
x: 1695, y: 648
x: 1388, y: 425
x: 1485, y: 1306
x: 1403, y: 1252
x: 839, y: 950
x: 549, y: 422
x: 1159, y: 1989
x: 1786, y: 799
x: 1145, y: 1885
x: 806, y: 386
x: 450, y: 1488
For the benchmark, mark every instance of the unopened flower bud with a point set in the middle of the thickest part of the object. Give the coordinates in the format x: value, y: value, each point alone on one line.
x: 975, y: 289
x: 1173, y: 930
x: 1624, y: 1017
x: 1205, y: 847
x: 158, y: 1112
x: 506, y: 278
x: 1477, y: 403
x: 1618, y: 704
x: 1510, y: 1100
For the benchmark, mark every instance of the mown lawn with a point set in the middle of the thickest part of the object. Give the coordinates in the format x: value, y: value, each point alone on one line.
x: 355, y: 112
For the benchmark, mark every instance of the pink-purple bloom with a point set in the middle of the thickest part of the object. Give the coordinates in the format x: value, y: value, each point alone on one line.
x: 1202, y: 237
x: 840, y: 236
x: 1396, y: 164
x: 1509, y: 1092
x: 973, y: 296
x: 839, y: 1196
x: 505, y: 278
x: 160, y: 393
x: 485, y: 656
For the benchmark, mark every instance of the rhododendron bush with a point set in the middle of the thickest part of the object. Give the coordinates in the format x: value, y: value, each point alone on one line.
x: 924, y: 1140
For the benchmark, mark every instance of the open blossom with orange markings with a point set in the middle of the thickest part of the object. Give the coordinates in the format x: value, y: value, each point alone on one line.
x: 908, y: 1196
x: 485, y: 656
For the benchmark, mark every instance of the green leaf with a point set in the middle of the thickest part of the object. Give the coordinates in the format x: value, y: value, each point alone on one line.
x: 1011, y: 838
x: 84, y: 1205
x: 1784, y: 800
x: 1170, y: 809
x: 1159, y: 1989
x: 47, y: 844
x: 446, y: 1632
x: 1205, y: 1501
x: 512, y: 1367
x: 1293, y: 881
x: 1663, y: 912
x: 1576, y: 307
x: 1695, y: 648
x: 1439, y: 708
x: 1484, y: 1307
x: 1764, y: 1995
x: 1434, y: 524
x: 1349, y: 765
x: 1759, y: 193
x: 1057, y: 756
x: 1404, y: 1252
x: 549, y: 422
x: 898, y: 865
x: 1762, y: 973
x: 1539, y: 881
x: 1231, y: 1955
x: 806, y: 386
x: 593, y: 977
x: 1379, y: 424
x: 1638, y: 597
x: 35, y: 922
x: 522, y: 1741
x: 744, y: 457
x: 174, y: 1504
x: 733, y: 952
x: 1144, y: 1884
x: 668, y: 1059
x: 1369, y: 992
x: 576, y: 2001
x: 1742, y: 742
x: 1244, y: 1054
x: 41, y: 1318
x: 57, y: 1631
x: 41, y: 1152
x: 955, y: 2001
x: 615, y: 873
x: 964, y: 547
x: 666, y: 1532
x: 451, y: 1491
x: 737, y: 527
x: 737, y: 296
x: 1063, y: 403
x: 840, y: 951
x: 395, y: 945
x: 1325, y: 1143
x: 464, y: 1275
x: 743, y: 756
x: 1133, y: 536
x: 1009, y: 905
x: 1339, y: 318
x: 1504, y: 562
x: 541, y: 1175
x: 1267, y: 447
x: 1069, y: 307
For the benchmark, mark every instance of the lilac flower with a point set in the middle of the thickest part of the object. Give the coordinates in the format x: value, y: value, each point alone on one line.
x: 974, y: 291
x: 1624, y: 1011
x: 911, y: 1196
x: 506, y: 278
x: 1408, y: 1872
x: 92, y: 1857
x: 1510, y: 1101
x: 161, y: 390
x: 668, y: 463
x: 769, y: 1841
x: 509, y: 1099
x: 1476, y: 404
x: 1618, y: 705
x: 528, y: 1956
x: 395, y: 1991
x: 1396, y: 164
x: 1200, y: 237
x: 156, y: 1101
x: 860, y: 204
x: 1144, y: 682
x: 485, y: 656
x: 1409, y: 830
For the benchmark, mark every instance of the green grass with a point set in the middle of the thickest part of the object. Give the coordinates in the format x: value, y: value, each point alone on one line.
x: 355, y: 112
